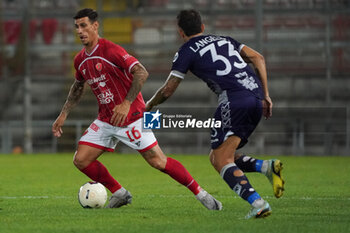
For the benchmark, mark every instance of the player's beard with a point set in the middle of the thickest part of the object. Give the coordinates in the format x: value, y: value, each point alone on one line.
x: 84, y: 41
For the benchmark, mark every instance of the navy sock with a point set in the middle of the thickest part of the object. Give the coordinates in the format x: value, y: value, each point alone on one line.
x: 239, y: 184
x: 249, y: 164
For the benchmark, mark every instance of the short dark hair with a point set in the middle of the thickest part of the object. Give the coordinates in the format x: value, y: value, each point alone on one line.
x: 190, y: 22
x: 87, y: 12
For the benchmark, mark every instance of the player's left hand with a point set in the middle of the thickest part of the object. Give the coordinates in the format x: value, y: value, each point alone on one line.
x: 267, y: 107
x: 120, y: 113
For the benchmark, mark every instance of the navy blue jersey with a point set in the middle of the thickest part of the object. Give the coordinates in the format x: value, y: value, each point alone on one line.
x: 216, y: 60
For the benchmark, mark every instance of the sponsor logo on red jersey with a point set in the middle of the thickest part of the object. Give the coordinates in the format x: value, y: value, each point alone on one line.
x: 97, y: 79
x: 105, y: 97
x: 99, y: 66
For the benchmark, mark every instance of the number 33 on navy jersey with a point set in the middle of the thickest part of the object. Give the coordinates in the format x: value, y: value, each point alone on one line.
x: 217, y: 61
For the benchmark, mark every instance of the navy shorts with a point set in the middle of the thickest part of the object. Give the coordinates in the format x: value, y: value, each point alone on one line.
x: 239, y: 117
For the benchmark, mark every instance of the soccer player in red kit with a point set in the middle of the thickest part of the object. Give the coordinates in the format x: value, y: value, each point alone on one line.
x: 116, y: 79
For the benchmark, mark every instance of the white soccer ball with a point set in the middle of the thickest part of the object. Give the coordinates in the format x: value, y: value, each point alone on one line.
x: 92, y: 195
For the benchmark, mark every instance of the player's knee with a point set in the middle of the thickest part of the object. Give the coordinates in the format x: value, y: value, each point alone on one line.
x: 212, y: 158
x: 220, y: 160
x: 79, y: 162
x: 76, y: 162
x: 214, y: 161
x: 157, y: 163
x: 155, y: 158
x: 217, y: 164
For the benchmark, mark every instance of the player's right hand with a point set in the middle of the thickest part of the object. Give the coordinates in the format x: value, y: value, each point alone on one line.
x: 57, y: 126
x: 267, y: 107
x: 148, y: 106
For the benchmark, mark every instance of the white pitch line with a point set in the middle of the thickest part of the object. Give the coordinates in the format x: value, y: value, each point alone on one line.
x: 34, y: 197
x: 187, y: 196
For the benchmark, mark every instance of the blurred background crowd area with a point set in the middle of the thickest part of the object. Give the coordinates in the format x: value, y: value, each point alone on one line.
x: 305, y: 44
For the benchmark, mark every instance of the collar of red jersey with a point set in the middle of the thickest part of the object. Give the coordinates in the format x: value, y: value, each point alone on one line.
x: 93, y: 50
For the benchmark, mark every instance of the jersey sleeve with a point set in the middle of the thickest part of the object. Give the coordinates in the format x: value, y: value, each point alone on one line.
x: 238, y: 46
x: 122, y: 58
x: 78, y: 76
x: 181, y: 64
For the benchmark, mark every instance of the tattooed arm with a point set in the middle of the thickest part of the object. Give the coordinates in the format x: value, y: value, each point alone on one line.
x: 140, y: 75
x: 75, y: 93
x: 164, y: 92
x: 120, y: 112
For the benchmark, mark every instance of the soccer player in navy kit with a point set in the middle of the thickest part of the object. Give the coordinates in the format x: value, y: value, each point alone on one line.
x: 116, y: 79
x: 243, y: 98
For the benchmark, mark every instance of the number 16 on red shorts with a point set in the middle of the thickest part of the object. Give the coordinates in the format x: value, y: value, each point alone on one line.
x: 104, y: 136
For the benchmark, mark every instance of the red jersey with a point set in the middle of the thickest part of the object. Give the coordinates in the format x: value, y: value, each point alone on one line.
x: 107, y: 70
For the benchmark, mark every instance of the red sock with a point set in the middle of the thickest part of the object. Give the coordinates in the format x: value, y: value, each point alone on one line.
x: 98, y: 172
x: 179, y: 173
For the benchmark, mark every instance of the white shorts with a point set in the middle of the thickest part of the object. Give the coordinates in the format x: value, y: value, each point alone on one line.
x: 104, y: 136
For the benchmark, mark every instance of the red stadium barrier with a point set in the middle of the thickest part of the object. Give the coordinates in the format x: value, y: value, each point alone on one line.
x: 12, y: 30
x: 49, y: 27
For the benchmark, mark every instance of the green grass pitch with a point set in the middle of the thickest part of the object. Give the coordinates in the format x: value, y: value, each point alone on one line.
x: 38, y: 193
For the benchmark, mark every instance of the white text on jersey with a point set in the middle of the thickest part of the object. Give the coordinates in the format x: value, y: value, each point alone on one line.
x: 97, y: 79
x: 203, y: 42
